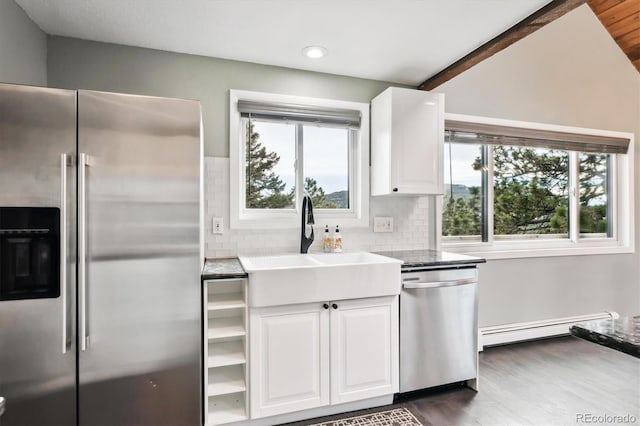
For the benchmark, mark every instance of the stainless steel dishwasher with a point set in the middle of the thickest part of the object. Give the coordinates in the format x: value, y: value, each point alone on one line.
x: 438, y: 327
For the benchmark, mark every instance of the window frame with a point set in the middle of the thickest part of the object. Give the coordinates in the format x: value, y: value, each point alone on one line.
x: 621, y: 197
x: 242, y: 218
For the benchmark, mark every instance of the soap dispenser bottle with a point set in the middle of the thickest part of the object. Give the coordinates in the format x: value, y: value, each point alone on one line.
x: 327, y: 240
x: 337, y: 241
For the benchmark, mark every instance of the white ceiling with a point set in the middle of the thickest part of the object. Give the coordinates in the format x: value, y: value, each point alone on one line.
x: 402, y: 41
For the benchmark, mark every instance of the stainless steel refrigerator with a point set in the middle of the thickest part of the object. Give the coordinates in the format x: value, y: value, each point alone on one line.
x: 100, y: 258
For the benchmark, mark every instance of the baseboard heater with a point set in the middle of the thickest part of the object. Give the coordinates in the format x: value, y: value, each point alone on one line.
x: 517, y: 332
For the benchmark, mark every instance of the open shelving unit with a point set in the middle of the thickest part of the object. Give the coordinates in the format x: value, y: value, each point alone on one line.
x: 225, y: 305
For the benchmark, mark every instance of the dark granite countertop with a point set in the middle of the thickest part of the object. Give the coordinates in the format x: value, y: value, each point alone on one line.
x: 622, y: 334
x: 431, y: 258
x: 222, y: 268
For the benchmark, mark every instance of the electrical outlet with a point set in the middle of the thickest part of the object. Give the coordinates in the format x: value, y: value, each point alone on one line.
x: 218, y: 227
x: 382, y: 224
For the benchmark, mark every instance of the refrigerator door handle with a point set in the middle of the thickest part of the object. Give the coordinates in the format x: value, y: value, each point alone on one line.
x: 82, y: 250
x: 2, y: 405
x: 64, y: 162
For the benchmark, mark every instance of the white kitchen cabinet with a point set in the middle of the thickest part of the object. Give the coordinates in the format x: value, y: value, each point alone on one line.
x: 364, y: 349
x: 290, y: 359
x: 225, y: 354
x: 407, y: 142
x: 309, y: 355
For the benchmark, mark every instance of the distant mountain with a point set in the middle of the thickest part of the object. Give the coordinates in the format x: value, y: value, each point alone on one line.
x: 341, y: 198
x: 459, y: 191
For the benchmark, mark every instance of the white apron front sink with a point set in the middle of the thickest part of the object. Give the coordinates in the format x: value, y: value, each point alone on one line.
x: 303, y: 278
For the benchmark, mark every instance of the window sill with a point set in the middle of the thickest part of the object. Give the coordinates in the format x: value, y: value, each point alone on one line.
x: 499, y: 251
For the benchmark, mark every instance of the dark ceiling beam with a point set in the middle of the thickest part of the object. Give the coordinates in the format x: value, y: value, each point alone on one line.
x: 533, y: 22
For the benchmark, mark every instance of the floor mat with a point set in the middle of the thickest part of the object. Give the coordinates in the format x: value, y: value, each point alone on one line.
x: 395, y: 417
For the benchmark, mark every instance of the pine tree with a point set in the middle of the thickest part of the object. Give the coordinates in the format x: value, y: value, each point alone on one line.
x: 264, y: 189
x: 460, y: 216
x: 531, y: 195
x: 593, y: 178
x: 530, y: 191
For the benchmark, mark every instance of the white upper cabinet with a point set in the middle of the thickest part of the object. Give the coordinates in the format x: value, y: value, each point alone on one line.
x: 407, y: 142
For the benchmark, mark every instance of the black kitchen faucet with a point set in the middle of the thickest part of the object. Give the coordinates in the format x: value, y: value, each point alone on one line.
x: 307, y: 219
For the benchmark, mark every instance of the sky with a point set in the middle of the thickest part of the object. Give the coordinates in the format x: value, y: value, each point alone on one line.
x: 461, y: 168
x: 325, y: 153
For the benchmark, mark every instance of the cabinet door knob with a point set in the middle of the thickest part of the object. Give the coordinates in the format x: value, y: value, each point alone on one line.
x: 334, y: 306
x: 395, y: 189
x: 326, y: 306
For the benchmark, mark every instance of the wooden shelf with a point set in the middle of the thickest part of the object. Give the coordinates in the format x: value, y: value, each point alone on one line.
x: 226, y: 353
x: 227, y: 409
x: 226, y: 380
x: 225, y: 301
x: 225, y: 327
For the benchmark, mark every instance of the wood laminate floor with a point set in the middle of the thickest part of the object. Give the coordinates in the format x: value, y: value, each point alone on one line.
x: 545, y: 382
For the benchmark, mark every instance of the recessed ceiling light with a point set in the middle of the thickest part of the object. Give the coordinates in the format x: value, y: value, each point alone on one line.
x: 314, y: 52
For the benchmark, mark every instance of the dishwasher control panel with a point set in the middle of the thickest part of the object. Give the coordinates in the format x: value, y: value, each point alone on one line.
x: 439, y: 277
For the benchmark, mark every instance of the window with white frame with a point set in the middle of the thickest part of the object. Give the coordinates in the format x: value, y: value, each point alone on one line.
x: 282, y: 147
x: 527, y: 187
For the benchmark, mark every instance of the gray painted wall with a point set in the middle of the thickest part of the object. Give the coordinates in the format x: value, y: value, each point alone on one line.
x: 23, y: 47
x: 570, y: 72
x: 74, y: 63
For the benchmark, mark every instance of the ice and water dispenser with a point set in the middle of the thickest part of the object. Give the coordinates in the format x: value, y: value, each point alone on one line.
x: 29, y: 253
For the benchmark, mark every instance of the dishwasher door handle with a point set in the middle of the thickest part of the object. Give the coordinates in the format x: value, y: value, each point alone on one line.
x: 434, y: 284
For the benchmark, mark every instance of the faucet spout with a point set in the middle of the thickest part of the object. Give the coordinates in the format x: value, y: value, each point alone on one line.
x: 307, y: 220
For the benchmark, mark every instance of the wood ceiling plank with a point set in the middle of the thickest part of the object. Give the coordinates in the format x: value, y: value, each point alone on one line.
x: 629, y: 40
x: 599, y: 6
x: 622, y: 21
x: 619, y: 12
x: 625, y: 25
x: 628, y: 43
x: 533, y: 22
x: 632, y: 51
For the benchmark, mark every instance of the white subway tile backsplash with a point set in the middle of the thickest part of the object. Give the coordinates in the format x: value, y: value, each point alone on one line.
x: 410, y: 214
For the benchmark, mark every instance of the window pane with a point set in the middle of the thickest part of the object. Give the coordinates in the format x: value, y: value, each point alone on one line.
x: 269, y: 165
x: 531, y: 197
x: 594, y: 196
x: 326, y: 166
x: 462, y: 208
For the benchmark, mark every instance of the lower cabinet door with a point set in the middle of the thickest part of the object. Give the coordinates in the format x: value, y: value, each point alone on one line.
x: 289, y: 359
x: 364, y: 348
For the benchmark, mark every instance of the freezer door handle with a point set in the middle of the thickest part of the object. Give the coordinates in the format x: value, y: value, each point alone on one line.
x: 435, y: 284
x: 64, y: 163
x: 82, y: 250
x: 2, y: 405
